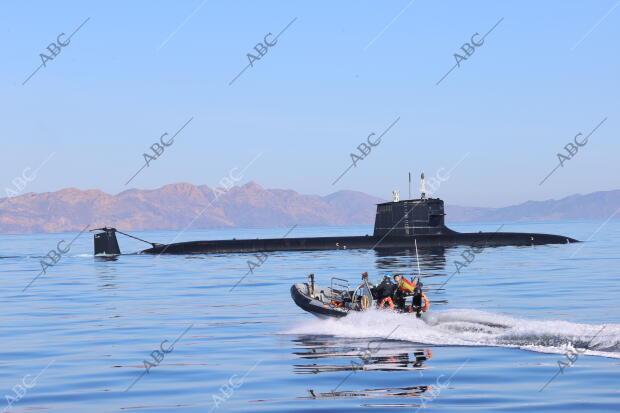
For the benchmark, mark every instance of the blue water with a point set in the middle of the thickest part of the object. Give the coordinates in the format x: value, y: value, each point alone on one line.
x: 83, y: 332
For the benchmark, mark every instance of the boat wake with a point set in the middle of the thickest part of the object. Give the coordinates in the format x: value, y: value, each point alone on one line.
x: 465, y: 327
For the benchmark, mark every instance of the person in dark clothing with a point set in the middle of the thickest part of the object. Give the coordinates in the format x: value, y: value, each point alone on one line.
x: 419, y: 302
x: 398, y: 295
x: 384, y: 289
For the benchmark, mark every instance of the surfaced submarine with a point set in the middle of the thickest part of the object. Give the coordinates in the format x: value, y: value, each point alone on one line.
x: 398, y: 224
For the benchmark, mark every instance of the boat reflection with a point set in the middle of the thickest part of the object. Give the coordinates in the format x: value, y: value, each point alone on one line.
x: 361, y: 353
x: 411, y: 391
x: 327, y: 354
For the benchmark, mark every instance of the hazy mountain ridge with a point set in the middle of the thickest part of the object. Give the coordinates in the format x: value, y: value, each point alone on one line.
x: 181, y: 205
x: 596, y: 205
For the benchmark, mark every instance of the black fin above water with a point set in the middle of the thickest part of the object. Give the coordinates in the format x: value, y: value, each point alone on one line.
x: 106, y: 242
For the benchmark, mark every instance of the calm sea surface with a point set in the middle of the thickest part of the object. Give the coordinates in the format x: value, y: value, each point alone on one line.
x: 153, y: 334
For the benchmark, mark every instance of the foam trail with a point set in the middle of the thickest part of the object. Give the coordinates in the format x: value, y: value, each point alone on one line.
x: 466, y: 327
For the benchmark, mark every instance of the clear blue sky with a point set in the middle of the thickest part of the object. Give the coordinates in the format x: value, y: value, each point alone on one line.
x: 341, y: 71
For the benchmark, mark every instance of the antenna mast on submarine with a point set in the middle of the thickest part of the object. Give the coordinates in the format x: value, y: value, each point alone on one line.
x: 409, y: 185
x: 422, y: 187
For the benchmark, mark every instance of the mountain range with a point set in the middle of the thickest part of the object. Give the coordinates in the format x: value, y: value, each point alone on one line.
x: 183, y: 205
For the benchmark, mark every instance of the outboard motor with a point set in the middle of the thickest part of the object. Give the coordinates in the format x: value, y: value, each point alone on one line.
x: 105, y: 242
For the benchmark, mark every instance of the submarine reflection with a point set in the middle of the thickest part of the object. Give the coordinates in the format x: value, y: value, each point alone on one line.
x: 389, y: 356
x: 432, y: 260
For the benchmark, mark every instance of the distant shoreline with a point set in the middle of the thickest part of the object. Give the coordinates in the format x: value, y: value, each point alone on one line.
x: 183, y: 206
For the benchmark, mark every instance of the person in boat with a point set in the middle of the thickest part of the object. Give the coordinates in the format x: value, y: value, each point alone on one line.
x: 420, y: 302
x: 393, y: 295
x: 406, y: 288
x: 384, y: 289
x: 400, y: 292
x: 384, y: 292
x: 370, y: 284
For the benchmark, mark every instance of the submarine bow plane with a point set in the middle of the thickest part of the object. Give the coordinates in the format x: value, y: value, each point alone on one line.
x: 398, y: 224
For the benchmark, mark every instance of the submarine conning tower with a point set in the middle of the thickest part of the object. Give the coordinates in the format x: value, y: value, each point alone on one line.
x: 411, y: 217
x: 423, y: 216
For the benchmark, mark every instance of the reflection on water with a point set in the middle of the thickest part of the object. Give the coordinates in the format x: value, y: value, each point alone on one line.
x: 107, y: 282
x: 348, y: 355
x: 411, y: 391
x: 104, y: 258
x: 432, y: 260
x: 388, y: 355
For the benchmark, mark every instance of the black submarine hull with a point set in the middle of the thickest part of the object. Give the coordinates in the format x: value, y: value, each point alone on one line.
x: 398, y: 225
x: 480, y: 239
